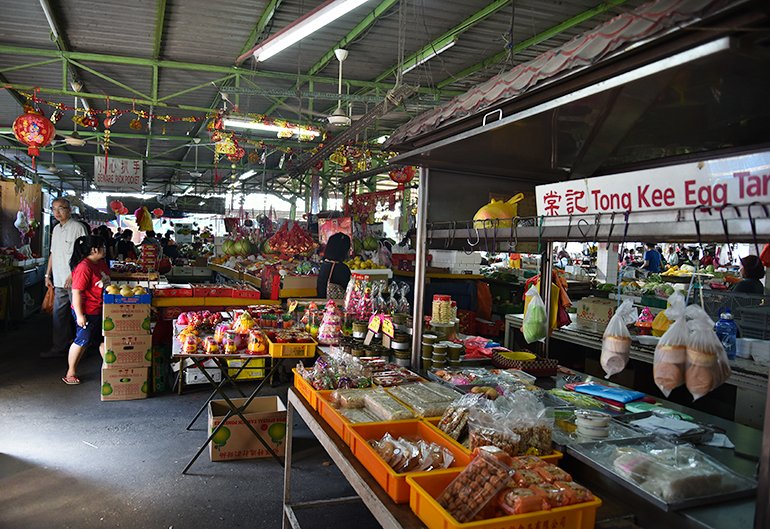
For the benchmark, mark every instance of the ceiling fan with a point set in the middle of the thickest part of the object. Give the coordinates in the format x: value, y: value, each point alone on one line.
x: 339, y: 117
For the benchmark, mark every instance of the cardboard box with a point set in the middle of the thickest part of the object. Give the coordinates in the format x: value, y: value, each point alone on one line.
x: 193, y: 375
x: 124, y: 383
x: 127, y: 350
x: 169, y: 290
x: 117, y: 299
x: 597, y: 310
x: 238, y: 442
x: 255, y: 370
x: 125, y: 319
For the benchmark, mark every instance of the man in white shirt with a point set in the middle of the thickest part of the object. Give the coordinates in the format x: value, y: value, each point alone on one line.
x: 59, y: 274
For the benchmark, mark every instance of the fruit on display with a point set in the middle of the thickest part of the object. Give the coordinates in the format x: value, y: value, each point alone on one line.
x: 127, y: 267
x: 289, y: 336
x: 125, y: 290
x: 363, y: 264
x: 294, y: 241
x: 240, y: 246
x: 370, y: 243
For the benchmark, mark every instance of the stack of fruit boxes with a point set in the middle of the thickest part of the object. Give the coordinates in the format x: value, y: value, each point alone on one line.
x: 127, y: 344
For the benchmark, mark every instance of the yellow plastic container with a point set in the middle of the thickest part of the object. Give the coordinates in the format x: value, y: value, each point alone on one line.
x: 292, y: 350
x: 394, y: 482
x: 426, y: 487
x: 552, y: 458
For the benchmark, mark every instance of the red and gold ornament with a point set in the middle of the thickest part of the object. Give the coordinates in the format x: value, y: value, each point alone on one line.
x: 34, y: 130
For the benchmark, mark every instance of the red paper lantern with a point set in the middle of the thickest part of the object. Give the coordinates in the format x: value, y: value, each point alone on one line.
x: 402, y: 176
x: 116, y: 206
x: 157, y: 212
x: 124, y: 210
x: 34, y: 130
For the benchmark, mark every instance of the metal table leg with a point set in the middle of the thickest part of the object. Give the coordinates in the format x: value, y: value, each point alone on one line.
x: 218, y: 387
x: 288, y: 516
x: 237, y: 410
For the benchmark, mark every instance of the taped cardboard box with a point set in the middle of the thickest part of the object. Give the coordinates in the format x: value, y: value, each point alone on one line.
x: 122, y: 319
x: 124, y: 383
x: 267, y: 415
x: 127, y: 350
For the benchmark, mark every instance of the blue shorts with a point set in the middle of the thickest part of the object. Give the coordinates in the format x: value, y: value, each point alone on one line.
x: 87, y: 336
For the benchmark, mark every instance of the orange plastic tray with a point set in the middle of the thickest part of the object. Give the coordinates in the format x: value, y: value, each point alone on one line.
x: 335, y: 419
x: 426, y: 487
x: 552, y: 458
x: 306, y: 390
x: 393, y: 482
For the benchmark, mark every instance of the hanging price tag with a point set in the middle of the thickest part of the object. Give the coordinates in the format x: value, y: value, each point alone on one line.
x: 293, y: 305
x: 375, y: 322
x: 387, y: 327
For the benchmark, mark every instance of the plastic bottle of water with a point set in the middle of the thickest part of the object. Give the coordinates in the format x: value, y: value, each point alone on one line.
x: 727, y: 331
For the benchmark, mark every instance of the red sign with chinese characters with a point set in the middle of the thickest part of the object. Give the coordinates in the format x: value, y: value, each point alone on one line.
x: 737, y: 180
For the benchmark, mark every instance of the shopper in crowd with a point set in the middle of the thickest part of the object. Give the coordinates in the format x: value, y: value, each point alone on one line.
x: 90, y: 275
x: 58, y: 275
x: 752, y: 271
x: 106, y: 233
x: 672, y: 259
x: 562, y: 257
x: 168, y: 244
x: 125, y: 248
x: 629, y: 259
x: 334, y: 275
x: 652, y: 259
x: 707, y: 258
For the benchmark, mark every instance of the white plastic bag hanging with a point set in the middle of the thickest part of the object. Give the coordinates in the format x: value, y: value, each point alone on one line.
x: 616, y: 342
x: 535, y: 324
x: 671, y: 352
x: 707, y: 363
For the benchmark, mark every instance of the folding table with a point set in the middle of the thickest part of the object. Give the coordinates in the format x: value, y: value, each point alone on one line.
x: 219, y: 389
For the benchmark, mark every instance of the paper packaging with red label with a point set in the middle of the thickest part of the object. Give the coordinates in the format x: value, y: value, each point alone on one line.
x: 125, y: 383
x: 125, y: 319
x: 127, y: 350
x: 235, y: 441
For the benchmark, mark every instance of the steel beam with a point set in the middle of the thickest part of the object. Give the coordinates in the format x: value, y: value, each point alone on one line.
x: 160, y: 18
x: 28, y: 65
x: 267, y: 15
x: 353, y: 34
x: 453, y: 33
x: 197, y: 67
x: 532, y: 41
x: 111, y: 80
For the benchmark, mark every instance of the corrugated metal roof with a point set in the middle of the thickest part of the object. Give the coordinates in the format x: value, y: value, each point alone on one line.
x: 215, y: 33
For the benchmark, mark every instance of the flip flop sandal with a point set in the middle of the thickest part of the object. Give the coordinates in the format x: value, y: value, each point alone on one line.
x: 71, y: 381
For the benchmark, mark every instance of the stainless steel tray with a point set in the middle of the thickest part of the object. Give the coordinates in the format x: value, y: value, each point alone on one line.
x: 618, y: 430
x: 586, y: 452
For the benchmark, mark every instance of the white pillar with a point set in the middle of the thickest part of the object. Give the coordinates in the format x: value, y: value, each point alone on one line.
x: 607, y: 263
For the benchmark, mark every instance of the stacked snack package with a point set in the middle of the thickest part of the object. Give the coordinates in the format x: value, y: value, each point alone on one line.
x: 494, y: 484
x: 616, y: 343
x: 707, y: 363
x: 518, y: 423
x: 427, y: 399
x: 412, y: 455
x: 330, y: 331
x: 454, y: 422
x: 671, y: 352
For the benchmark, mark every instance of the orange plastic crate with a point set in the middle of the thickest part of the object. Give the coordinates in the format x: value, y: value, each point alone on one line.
x: 306, y: 390
x: 393, y: 482
x: 426, y: 487
x: 335, y: 419
x: 552, y: 458
x: 292, y: 350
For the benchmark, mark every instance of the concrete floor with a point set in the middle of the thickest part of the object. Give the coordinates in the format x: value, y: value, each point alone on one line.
x: 68, y: 460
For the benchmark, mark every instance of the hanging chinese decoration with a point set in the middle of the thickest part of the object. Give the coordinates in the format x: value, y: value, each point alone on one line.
x: 157, y: 212
x: 34, y: 130
x: 116, y: 206
x: 402, y: 175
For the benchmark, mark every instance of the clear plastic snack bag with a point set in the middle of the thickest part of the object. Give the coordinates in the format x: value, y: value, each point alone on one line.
x: 531, y: 421
x: 616, y: 342
x: 535, y: 324
x: 671, y: 352
x: 707, y: 363
x: 487, y: 426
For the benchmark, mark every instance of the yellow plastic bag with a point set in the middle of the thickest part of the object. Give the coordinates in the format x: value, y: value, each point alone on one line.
x: 660, y: 324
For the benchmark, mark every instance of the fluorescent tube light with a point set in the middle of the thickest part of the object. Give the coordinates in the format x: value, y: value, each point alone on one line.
x: 254, y: 125
x: 248, y: 174
x: 313, y: 21
x: 429, y: 55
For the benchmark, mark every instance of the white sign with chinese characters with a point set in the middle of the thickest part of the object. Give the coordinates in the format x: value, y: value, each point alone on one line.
x: 122, y: 173
x: 737, y: 180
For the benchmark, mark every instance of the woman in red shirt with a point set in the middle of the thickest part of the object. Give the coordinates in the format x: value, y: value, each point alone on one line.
x: 90, y: 274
